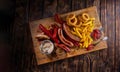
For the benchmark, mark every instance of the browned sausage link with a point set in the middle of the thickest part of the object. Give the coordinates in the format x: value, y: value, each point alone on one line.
x: 66, y: 41
x: 68, y: 33
x: 63, y: 46
x: 62, y: 38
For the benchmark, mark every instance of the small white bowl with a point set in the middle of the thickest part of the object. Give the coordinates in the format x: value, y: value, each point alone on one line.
x: 46, y: 47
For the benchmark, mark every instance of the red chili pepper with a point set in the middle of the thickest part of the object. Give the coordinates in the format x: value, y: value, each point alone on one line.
x: 55, y: 32
x: 55, y: 29
x: 47, y: 32
x: 51, y: 31
x: 55, y: 35
x: 90, y: 47
x: 58, y: 19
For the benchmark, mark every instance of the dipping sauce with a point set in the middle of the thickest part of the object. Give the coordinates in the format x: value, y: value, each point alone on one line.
x: 46, y: 47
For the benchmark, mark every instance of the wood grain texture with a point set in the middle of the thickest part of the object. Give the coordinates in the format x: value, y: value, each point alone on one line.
x: 101, y: 61
x: 117, y: 35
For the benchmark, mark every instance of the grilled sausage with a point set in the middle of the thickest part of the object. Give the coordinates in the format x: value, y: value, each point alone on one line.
x: 67, y: 31
x: 63, y: 46
x: 62, y: 38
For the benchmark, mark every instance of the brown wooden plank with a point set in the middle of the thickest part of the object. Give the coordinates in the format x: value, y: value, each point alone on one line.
x: 64, y: 6
x: 18, y: 38
x: 78, y: 4
x: 36, y: 9
x: 50, y: 7
x: 110, y: 33
x: 97, y: 4
x: 19, y: 31
x: 73, y: 64
x: 61, y: 66
x: 117, y: 31
x: 107, y: 56
x: 103, y: 53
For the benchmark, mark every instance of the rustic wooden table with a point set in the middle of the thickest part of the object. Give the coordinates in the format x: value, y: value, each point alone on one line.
x: 107, y: 60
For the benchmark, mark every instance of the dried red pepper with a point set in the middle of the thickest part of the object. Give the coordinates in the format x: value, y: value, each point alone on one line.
x: 55, y: 29
x: 90, y: 47
x: 58, y: 19
x: 55, y: 32
x: 47, y: 32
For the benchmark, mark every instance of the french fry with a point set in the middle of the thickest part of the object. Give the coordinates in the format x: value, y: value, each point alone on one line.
x: 84, y: 29
x: 77, y: 31
x: 87, y: 23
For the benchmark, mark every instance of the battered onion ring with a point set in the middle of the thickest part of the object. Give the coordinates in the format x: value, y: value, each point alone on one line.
x: 78, y: 25
x: 72, y: 22
x: 85, y: 16
x: 80, y: 18
x: 71, y: 16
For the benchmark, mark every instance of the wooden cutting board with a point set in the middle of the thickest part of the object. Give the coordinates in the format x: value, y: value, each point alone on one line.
x: 42, y: 58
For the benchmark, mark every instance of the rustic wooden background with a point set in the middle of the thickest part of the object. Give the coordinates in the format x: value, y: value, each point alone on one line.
x: 23, y: 59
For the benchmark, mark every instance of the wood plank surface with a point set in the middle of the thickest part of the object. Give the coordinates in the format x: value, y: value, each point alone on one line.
x: 101, y: 61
